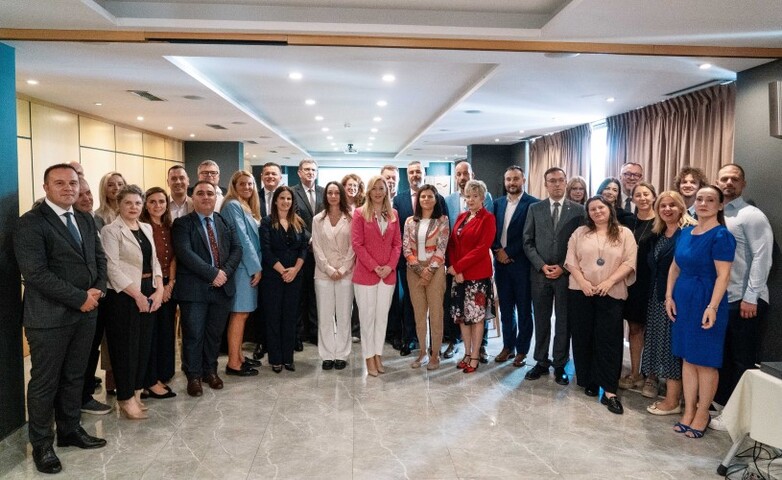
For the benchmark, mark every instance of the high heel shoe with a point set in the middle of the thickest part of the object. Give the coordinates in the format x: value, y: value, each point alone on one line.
x: 379, y: 364
x: 464, y: 363
x: 137, y: 398
x: 371, y: 369
x: 469, y: 368
x: 130, y: 410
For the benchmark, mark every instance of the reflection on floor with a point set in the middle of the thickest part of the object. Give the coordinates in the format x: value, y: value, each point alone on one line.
x: 407, y: 423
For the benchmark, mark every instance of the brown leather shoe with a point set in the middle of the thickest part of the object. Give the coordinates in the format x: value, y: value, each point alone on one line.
x: 504, y: 355
x: 520, y: 360
x: 213, y: 381
x: 194, y: 388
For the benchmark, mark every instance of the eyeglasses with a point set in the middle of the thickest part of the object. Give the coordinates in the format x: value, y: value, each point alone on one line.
x: 632, y: 175
x: 209, y: 173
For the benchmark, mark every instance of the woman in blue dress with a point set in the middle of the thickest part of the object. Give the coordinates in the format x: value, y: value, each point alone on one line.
x: 695, y: 301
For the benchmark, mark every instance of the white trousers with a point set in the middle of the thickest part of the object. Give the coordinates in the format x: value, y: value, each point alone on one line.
x: 335, y: 304
x: 373, y: 302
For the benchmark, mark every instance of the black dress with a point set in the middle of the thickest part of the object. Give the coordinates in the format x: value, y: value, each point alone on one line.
x: 638, y: 293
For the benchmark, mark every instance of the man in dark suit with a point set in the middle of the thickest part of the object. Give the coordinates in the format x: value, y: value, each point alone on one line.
x: 511, y: 268
x: 546, y: 233
x: 207, y: 252
x: 64, y: 270
x: 309, y: 202
x: 404, y: 203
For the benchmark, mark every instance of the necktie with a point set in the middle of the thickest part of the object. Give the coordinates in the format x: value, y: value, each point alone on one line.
x: 212, y: 242
x: 555, y: 214
x: 72, y: 227
x: 628, y: 205
x: 311, y: 193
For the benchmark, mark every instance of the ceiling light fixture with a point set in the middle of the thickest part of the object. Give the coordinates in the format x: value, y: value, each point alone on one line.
x: 371, y: 138
x: 374, y: 130
x: 140, y: 118
x: 330, y: 137
x: 704, y: 66
x: 377, y: 119
x: 310, y: 102
x: 324, y: 129
x: 319, y: 118
x: 32, y: 82
x: 610, y: 99
x: 192, y: 135
x: 388, y: 78
x: 295, y: 76
x: 521, y: 131
x: 381, y: 103
x: 169, y: 127
x: 496, y: 139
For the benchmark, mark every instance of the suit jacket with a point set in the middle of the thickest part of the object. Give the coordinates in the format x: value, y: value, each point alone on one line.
x: 544, y: 244
x: 194, y: 272
x: 262, y: 198
x: 124, y: 259
x: 454, y: 209
x: 247, y: 231
x: 515, y: 234
x: 282, y: 246
x: 403, y: 204
x: 303, y: 207
x: 375, y: 249
x: 57, y: 270
x: 333, y: 247
x: 470, y: 249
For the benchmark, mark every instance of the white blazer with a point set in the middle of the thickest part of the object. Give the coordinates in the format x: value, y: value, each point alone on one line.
x: 124, y: 259
x: 332, y: 247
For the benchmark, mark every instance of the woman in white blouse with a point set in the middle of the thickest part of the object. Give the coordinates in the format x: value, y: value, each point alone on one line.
x: 334, y: 260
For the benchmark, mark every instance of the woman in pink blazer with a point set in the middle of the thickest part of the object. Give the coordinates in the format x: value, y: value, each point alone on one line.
x: 377, y: 243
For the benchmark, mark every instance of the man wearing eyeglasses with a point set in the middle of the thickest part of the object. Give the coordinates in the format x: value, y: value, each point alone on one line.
x: 209, y: 171
x: 631, y: 175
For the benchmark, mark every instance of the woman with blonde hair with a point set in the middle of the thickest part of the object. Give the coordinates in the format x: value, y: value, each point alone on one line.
x: 110, y: 185
x: 377, y: 243
x: 576, y: 190
x: 242, y: 210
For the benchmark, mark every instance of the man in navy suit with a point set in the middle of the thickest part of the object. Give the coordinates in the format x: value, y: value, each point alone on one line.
x: 404, y: 204
x: 64, y: 270
x: 207, y: 252
x: 511, y: 268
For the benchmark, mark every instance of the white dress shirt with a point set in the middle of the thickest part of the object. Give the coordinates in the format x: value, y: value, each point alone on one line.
x: 754, y: 242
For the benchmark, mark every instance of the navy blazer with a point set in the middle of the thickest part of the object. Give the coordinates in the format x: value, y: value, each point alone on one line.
x: 57, y: 270
x: 515, y: 247
x: 278, y: 245
x: 194, y: 270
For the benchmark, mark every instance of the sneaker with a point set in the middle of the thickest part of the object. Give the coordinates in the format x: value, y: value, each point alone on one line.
x: 718, y: 424
x: 95, y: 407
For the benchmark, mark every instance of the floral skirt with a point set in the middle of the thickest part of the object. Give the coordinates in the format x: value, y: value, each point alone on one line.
x: 469, y: 300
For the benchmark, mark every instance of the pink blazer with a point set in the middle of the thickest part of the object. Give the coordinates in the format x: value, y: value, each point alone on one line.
x: 374, y: 249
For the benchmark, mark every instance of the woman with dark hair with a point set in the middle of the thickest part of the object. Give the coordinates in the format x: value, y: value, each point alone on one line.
x: 334, y: 262
x: 354, y: 189
x: 611, y: 191
x: 135, y: 291
x: 471, y: 267
x: 695, y: 301
x: 601, y: 259
x: 576, y: 190
x: 424, y: 243
x: 160, y: 368
x: 242, y: 210
x: 284, y: 244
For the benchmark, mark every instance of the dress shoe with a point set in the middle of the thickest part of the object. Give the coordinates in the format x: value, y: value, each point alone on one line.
x: 194, y: 388
x: 591, y: 391
x: 162, y: 396
x: 450, y: 350
x: 470, y: 367
x: 371, y: 368
x: 253, y: 362
x: 379, y: 364
x: 245, y: 371
x: 130, y: 410
x: 613, y: 404
x: 291, y: 367
x: 327, y: 364
x: 560, y: 376
x: 396, y: 343
x: 655, y: 409
x: 259, y: 352
x: 405, y: 350
x: 519, y: 360
x: 299, y: 346
x: 81, y: 439
x: 46, y: 460
x: 536, y: 372
x: 484, y: 357
x: 340, y: 364
x: 463, y: 363
x: 276, y: 368
x: 213, y: 381
x: 504, y: 355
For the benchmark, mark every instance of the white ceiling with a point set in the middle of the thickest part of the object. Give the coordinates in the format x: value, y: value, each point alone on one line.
x: 246, y: 88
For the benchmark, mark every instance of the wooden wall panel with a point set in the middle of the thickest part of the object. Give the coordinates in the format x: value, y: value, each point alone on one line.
x: 129, y: 141
x: 96, y: 134
x: 23, y: 118
x: 96, y: 163
x: 154, y: 173
x: 132, y: 168
x: 154, y: 146
x: 174, y: 150
x: 26, y: 181
x: 55, y: 136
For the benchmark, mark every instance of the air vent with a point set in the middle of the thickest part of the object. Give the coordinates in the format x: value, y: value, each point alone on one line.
x: 193, y: 97
x: 215, y: 126
x: 146, y: 95
x: 251, y: 142
x: 273, y: 151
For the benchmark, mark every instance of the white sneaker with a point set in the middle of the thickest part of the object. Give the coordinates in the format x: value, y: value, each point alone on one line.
x: 718, y: 424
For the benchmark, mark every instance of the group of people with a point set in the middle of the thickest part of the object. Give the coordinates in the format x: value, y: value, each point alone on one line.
x: 328, y: 264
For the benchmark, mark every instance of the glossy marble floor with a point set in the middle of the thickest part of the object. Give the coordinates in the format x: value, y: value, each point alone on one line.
x: 416, y: 424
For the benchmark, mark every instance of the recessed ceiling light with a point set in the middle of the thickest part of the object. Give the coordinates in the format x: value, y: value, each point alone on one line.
x: 192, y: 135
x: 521, y: 131
x: 254, y: 156
x: 295, y: 76
x: 704, y: 66
x: 330, y: 137
x: 32, y: 82
x: 388, y: 78
x: 371, y: 138
x: 310, y: 102
x: 374, y: 130
x: 169, y: 127
x: 610, y: 99
x: 324, y: 129
x: 98, y: 104
x: 496, y: 139
x: 377, y: 119
x: 381, y: 103
x: 140, y: 118
x: 319, y: 118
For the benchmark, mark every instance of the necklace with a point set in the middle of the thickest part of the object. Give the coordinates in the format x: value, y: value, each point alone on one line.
x: 600, y: 261
x: 647, y: 222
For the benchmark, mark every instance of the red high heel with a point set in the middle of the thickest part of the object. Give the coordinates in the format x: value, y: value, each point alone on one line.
x: 463, y: 364
x: 469, y: 368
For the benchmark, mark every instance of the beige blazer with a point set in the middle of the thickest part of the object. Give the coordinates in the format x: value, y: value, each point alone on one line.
x: 124, y: 258
x: 332, y: 247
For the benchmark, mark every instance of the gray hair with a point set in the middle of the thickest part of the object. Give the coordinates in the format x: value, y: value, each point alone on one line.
x: 208, y: 163
x: 130, y: 190
x: 475, y: 185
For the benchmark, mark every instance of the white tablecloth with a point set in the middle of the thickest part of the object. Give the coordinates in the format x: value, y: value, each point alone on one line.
x: 755, y: 408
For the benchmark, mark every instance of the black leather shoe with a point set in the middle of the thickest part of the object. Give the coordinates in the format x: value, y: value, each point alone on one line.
x: 80, y: 438
x: 591, y: 391
x: 253, y: 362
x: 450, y: 351
x: 613, y: 404
x: 327, y: 364
x: 484, y: 357
x: 46, y: 460
x: 242, y: 372
x: 259, y: 352
x: 396, y: 343
x: 169, y: 394
x: 405, y: 350
x: 291, y: 367
x: 560, y: 376
x: 536, y: 372
x: 276, y: 368
x: 340, y: 364
x: 299, y: 346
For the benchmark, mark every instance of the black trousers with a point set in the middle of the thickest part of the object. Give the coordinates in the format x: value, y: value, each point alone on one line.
x: 58, y: 358
x: 596, y: 325
x: 280, y: 316
x: 547, y: 295
x: 307, y: 326
x: 129, y: 335
x: 162, y: 345
x: 202, y: 324
x: 742, y: 348
x: 92, y: 361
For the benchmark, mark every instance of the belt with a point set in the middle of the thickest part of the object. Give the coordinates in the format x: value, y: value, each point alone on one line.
x: 146, y: 275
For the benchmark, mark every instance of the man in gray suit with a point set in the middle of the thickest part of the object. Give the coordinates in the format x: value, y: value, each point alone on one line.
x: 64, y: 270
x: 547, y: 230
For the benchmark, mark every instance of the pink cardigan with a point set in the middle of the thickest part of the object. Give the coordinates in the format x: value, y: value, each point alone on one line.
x: 374, y: 249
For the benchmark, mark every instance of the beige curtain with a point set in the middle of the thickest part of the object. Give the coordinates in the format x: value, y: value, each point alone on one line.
x: 568, y: 149
x: 695, y: 129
